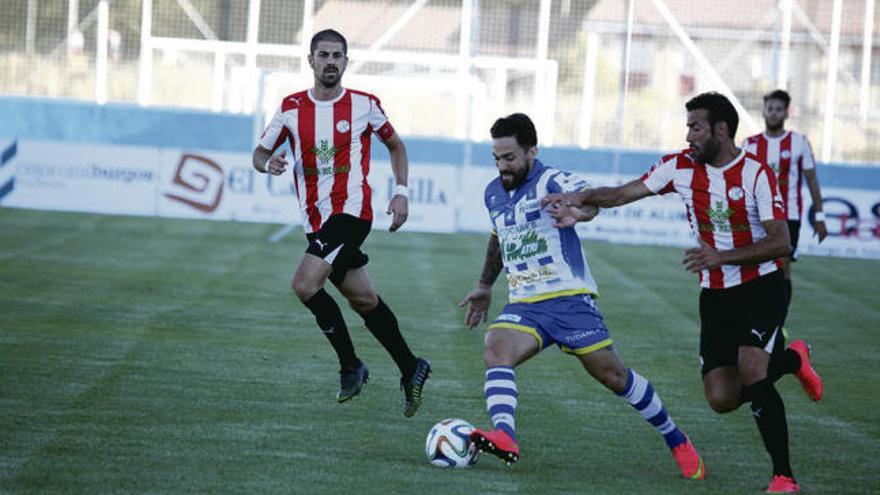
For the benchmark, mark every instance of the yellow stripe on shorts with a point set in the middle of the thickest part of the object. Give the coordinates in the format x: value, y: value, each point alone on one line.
x: 519, y: 328
x: 586, y: 350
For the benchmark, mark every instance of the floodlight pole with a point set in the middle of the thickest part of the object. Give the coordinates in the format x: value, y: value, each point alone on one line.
x: 589, y: 88
x: 145, y: 69
x: 867, y: 46
x: 543, y: 101
x: 624, y: 83
x: 831, y: 82
x: 624, y: 80
x: 72, y: 21
x: 252, y: 39
x: 101, y: 53
x: 307, y: 27
x: 30, y: 33
x: 466, y: 50
x: 785, y: 52
x: 467, y: 44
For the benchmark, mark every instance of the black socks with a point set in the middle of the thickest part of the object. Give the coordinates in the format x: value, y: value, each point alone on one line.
x: 769, y: 412
x: 330, y: 320
x: 380, y: 321
x: 383, y: 325
x: 783, y: 363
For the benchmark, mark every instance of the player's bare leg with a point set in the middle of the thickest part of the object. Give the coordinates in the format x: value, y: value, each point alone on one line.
x: 606, y: 366
x: 504, y: 349
x: 358, y: 289
x: 723, y: 389
x: 310, y: 276
x: 508, y: 347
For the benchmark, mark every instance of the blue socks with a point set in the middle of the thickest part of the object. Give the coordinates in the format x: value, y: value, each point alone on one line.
x: 501, y: 398
x: 640, y: 394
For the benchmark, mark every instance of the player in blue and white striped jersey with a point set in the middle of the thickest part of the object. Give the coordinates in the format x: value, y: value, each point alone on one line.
x: 551, y: 297
x: 542, y: 261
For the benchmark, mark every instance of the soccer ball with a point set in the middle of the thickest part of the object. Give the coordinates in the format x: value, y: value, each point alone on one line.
x: 449, y: 445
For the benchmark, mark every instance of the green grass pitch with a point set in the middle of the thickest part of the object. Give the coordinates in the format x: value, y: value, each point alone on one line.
x: 169, y: 356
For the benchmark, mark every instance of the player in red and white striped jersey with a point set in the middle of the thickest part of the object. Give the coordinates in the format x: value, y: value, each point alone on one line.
x: 727, y: 207
x: 737, y: 216
x: 789, y: 154
x: 328, y: 129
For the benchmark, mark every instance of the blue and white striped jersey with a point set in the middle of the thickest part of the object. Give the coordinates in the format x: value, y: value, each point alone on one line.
x: 540, y: 260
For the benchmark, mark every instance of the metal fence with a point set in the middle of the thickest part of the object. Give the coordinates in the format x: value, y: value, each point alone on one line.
x: 591, y: 72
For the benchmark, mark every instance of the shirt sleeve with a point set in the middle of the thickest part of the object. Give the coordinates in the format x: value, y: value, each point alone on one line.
x: 658, y: 179
x: 276, y: 132
x: 809, y: 161
x: 379, y: 121
x: 767, y: 196
x: 565, y: 182
x: 487, y: 202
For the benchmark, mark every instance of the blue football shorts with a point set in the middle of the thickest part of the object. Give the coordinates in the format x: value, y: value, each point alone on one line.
x: 572, y: 322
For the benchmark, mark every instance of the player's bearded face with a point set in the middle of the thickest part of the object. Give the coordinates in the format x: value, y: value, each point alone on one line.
x: 775, y: 114
x: 513, y: 162
x: 708, y: 150
x: 701, y: 137
x: 328, y: 63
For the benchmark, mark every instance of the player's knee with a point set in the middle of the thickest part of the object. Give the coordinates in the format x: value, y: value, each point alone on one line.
x: 363, y: 302
x: 304, y: 289
x: 613, y: 378
x: 494, y: 355
x: 722, y: 403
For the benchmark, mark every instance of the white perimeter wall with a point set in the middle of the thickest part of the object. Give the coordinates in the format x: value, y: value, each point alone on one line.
x: 188, y: 183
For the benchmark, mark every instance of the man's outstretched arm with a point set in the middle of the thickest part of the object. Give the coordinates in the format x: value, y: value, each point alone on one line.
x: 603, y: 197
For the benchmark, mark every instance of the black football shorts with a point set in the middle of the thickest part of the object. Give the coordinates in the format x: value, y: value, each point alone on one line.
x: 338, y: 242
x: 748, y: 314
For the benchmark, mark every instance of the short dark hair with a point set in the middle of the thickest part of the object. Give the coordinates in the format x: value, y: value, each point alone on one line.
x: 518, y: 125
x: 719, y: 107
x: 328, y: 35
x: 780, y: 95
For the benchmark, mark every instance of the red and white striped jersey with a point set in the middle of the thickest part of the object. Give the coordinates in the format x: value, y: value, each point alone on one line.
x: 330, y: 141
x: 788, y: 155
x: 725, y: 207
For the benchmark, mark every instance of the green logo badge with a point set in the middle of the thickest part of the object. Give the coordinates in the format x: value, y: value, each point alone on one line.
x: 325, y: 153
x: 720, y: 217
x: 530, y: 244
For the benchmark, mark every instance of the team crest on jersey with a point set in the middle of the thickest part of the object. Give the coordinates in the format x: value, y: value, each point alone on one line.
x: 325, y: 153
x: 785, y: 154
x: 343, y: 126
x: 720, y: 217
x: 735, y: 193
